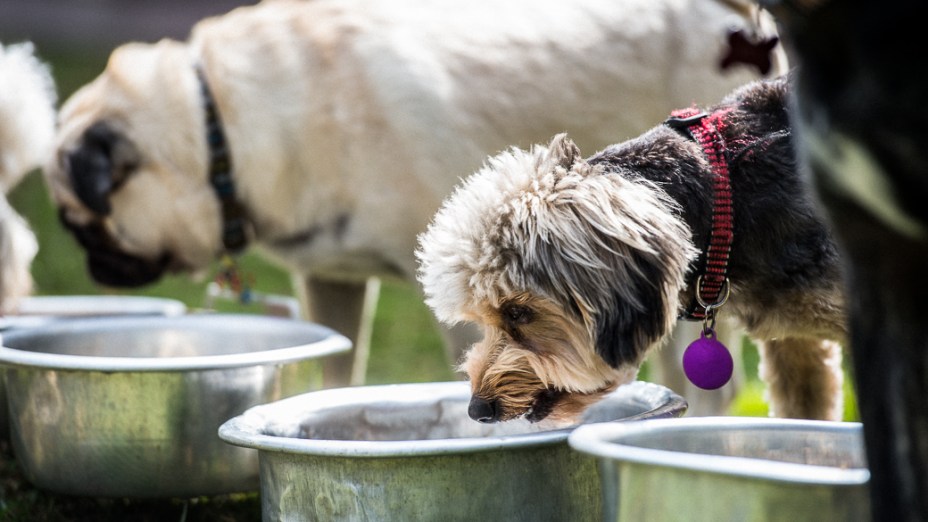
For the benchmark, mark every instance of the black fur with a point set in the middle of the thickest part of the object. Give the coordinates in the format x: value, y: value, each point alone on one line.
x: 781, y: 243
x: 780, y: 240
x: 99, y: 164
x: 625, y: 331
x: 544, y: 403
x: 861, y: 82
x: 110, y: 266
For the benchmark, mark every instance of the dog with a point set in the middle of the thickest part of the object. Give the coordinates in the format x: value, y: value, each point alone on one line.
x: 344, y: 124
x: 576, y: 268
x: 27, y: 126
x: 859, y: 108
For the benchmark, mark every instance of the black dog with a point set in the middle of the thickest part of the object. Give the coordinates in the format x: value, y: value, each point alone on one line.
x: 861, y: 95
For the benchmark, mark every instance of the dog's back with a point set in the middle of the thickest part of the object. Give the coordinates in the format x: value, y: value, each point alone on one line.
x: 426, y: 90
x: 783, y: 254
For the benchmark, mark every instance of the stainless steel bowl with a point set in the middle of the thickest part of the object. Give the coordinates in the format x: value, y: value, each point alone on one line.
x: 129, y: 406
x: 410, y: 452
x: 745, y: 469
x: 35, y: 311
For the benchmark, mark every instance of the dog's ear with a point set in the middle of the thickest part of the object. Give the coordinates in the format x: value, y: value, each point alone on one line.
x: 626, y: 330
x: 562, y: 152
x: 618, y: 250
x: 102, y: 160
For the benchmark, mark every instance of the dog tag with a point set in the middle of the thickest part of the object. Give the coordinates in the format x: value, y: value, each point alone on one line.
x: 707, y: 363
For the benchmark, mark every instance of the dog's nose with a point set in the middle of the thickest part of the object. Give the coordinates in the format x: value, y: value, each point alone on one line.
x: 482, y: 410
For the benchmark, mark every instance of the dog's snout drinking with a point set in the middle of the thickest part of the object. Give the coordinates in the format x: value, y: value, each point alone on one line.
x: 483, y: 410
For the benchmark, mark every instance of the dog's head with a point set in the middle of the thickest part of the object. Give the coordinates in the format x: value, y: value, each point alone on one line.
x: 573, y: 274
x: 130, y: 173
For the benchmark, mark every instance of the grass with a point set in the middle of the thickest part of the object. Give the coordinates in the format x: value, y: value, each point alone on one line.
x: 405, y: 345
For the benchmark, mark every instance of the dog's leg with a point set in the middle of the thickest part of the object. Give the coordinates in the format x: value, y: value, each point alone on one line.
x: 348, y: 308
x: 803, y: 377
x: 18, y: 248
x: 668, y: 368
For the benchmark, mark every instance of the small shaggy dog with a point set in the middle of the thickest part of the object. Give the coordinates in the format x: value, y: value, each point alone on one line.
x: 27, y: 126
x: 576, y: 268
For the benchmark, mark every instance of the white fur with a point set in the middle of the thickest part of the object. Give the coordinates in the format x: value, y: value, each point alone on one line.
x: 27, y: 125
x: 27, y: 113
x: 462, y: 261
x: 570, y: 243
x: 18, y: 247
x: 375, y: 109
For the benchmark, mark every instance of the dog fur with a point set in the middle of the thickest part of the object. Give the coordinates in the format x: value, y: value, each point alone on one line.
x: 576, y: 268
x: 860, y: 107
x: 27, y: 126
x: 350, y: 121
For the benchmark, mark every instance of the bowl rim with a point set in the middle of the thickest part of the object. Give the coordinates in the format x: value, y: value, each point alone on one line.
x: 330, y: 343
x: 50, y: 305
x: 37, y: 310
x: 247, y: 430
x: 604, y: 442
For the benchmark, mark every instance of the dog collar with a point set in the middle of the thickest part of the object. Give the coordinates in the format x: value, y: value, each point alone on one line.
x: 234, y: 214
x: 707, y: 363
x: 712, y: 286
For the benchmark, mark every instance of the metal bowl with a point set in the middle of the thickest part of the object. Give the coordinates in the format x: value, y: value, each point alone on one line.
x: 35, y: 311
x: 410, y: 452
x: 129, y: 406
x: 728, y: 468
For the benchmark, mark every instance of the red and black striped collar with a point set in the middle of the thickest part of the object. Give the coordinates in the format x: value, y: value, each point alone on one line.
x: 712, y: 285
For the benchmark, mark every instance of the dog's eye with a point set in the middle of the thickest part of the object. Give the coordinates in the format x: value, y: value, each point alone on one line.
x: 517, y: 314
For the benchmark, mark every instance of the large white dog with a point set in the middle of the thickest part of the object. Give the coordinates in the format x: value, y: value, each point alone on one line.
x: 328, y: 132
x: 27, y: 126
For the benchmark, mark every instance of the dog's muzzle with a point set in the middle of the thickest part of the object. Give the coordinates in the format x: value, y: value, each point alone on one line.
x: 108, y: 264
x: 488, y: 411
x: 482, y: 410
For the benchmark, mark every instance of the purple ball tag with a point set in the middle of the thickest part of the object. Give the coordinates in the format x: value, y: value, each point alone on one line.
x: 707, y: 363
